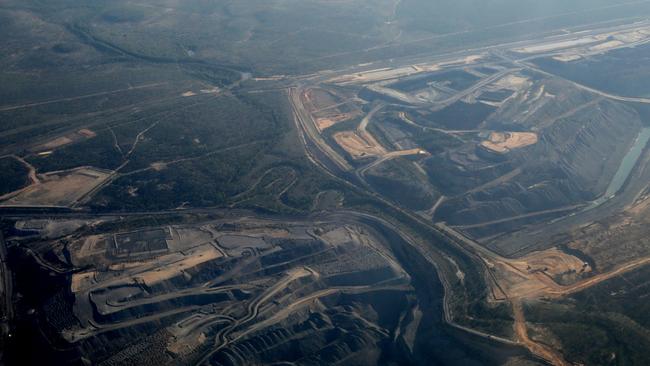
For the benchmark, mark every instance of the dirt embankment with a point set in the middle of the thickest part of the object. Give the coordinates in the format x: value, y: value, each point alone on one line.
x: 359, y: 145
x: 504, y: 142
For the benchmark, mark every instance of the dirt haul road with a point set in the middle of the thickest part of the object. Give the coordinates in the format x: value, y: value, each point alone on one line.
x: 538, y: 349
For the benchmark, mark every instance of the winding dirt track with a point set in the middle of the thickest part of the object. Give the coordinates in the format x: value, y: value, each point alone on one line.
x: 541, y: 286
x: 538, y: 349
x: 583, y: 285
x: 33, y: 177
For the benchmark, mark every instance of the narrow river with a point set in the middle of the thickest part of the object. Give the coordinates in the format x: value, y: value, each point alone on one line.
x: 624, y: 170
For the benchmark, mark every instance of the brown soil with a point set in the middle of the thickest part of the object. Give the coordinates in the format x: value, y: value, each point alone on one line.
x: 538, y: 349
x: 324, y: 108
x: 553, y: 262
x: 68, y: 139
x: 158, y: 166
x: 330, y: 120
x: 503, y: 142
x: 87, y: 133
x: 58, y: 189
x: 534, y: 275
x: 359, y: 144
x: 57, y: 142
x: 193, y: 258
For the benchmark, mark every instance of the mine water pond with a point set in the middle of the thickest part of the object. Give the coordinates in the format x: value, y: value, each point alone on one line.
x: 624, y: 170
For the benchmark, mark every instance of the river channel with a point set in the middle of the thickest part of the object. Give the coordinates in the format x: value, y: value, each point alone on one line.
x: 624, y: 170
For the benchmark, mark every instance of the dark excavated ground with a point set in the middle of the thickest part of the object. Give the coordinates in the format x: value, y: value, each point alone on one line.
x: 368, y: 318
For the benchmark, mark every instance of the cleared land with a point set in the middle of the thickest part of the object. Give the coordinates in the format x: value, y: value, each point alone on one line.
x: 400, y: 72
x: 537, y: 274
x: 61, y: 141
x: 323, y: 123
x: 558, y: 45
x: 224, y: 292
x: 248, y: 278
x: 567, y: 57
x: 327, y: 108
x: 59, y: 188
x: 606, y: 46
x: 503, y: 142
x: 359, y: 144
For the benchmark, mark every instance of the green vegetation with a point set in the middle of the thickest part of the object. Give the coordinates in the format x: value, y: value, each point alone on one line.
x: 169, y: 94
x: 593, y: 338
x: 436, y: 142
x: 200, y: 182
x: 400, y: 181
x: 124, y: 14
x: 222, y: 151
x: 277, y: 36
x: 607, y: 324
x: 13, y: 175
x: 98, y: 152
x: 177, y: 125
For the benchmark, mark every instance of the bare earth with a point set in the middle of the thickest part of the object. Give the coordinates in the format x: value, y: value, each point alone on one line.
x: 57, y: 142
x: 359, y: 145
x: 58, y: 189
x: 503, y: 142
x: 329, y: 121
x: 195, y: 257
x: 68, y: 139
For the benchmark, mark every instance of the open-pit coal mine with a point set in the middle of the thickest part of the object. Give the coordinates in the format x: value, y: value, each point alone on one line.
x: 311, y: 182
